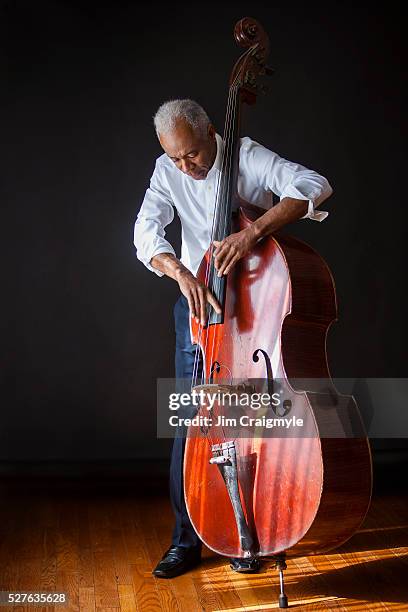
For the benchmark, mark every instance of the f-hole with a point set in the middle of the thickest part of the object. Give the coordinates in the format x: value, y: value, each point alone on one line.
x: 214, y: 368
x: 287, y: 404
x: 269, y: 374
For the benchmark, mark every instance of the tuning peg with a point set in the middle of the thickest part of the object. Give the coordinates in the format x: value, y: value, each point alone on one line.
x: 249, y: 78
x: 268, y: 70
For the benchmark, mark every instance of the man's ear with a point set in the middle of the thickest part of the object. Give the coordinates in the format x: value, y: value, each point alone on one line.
x: 211, y: 131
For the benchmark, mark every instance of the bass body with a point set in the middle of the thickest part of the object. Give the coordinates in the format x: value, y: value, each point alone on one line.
x: 298, y: 494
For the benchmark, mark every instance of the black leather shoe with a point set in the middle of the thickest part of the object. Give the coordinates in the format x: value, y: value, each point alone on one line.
x: 177, y: 560
x: 245, y: 566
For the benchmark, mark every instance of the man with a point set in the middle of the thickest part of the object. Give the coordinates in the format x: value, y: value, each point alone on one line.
x: 185, y: 178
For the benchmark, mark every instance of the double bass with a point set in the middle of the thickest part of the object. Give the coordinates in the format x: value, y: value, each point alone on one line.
x: 254, y: 492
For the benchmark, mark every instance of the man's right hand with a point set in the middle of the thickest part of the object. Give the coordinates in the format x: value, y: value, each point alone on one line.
x: 198, y: 296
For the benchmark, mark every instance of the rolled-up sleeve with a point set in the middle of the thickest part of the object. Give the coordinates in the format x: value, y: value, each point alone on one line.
x: 289, y: 179
x: 155, y: 213
x: 305, y: 184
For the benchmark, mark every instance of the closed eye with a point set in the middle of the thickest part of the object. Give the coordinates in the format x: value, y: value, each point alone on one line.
x: 190, y: 155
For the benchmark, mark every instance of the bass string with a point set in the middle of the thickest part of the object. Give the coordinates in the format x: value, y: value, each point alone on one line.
x: 220, y: 220
x: 223, y: 214
x: 215, y: 284
x: 217, y: 279
x: 197, y: 352
x: 219, y: 199
x: 210, y: 265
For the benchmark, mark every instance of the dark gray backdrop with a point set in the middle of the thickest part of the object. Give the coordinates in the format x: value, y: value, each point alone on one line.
x: 87, y: 329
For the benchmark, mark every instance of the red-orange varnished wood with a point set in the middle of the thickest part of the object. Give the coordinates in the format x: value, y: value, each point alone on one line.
x: 300, y: 494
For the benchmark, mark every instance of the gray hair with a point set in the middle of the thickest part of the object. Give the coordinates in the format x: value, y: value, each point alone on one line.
x: 170, y: 112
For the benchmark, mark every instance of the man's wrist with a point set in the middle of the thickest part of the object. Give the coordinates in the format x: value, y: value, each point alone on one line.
x: 180, y: 272
x: 169, y: 265
x: 256, y: 231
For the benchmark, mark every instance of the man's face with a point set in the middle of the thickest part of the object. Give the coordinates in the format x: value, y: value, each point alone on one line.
x: 193, y: 153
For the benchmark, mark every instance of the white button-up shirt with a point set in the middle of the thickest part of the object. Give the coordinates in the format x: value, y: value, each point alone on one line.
x: 261, y: 173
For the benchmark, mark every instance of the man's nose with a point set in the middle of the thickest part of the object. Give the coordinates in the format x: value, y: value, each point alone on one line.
x: 186, y: 165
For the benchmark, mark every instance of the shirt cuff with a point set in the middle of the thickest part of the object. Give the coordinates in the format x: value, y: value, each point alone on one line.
x: 313, y: 201
x: 159, y: 250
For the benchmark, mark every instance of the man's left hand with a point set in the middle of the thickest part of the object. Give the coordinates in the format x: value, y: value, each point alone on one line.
x: 232, y: 248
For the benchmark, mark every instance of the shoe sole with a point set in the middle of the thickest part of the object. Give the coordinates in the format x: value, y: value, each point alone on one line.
x: 176, y: 573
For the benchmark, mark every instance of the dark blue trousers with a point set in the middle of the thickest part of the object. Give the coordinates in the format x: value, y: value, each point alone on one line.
x: 183, y: 534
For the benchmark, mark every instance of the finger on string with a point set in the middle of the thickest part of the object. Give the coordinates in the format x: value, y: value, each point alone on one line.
x: 224, y: 245
x: 231, y: 264
x: 191, y: 306
x: 220, y: 257
x: 196, y: 305
x: 192, y: 303
x: 214, y: 303
x: 203, y: 305
x: 217, y: 244
x: 226, y: 261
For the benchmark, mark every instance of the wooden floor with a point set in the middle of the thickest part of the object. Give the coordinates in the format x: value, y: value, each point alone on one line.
x: 100, y: 546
